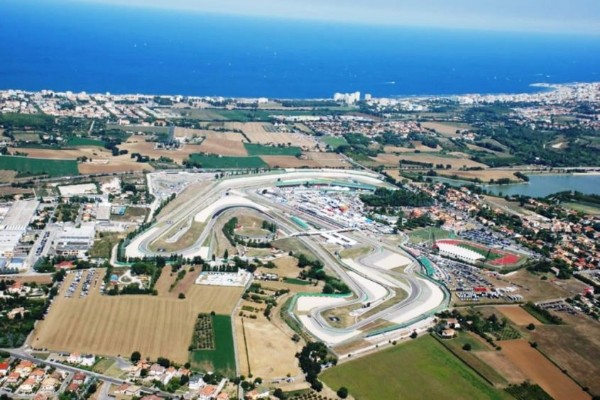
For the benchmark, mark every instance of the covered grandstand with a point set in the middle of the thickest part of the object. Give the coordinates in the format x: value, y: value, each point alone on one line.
x: 458, y: 252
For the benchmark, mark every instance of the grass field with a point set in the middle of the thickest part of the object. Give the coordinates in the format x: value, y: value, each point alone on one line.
x: 254, y: 149
x: 334, y: 141
x: 206, y: 161
x: 470, y: 357
x: 156, y: 326
x: 77, y: 141
x: 419, y: 369
x: 590, y: 209
x: 38, y: 166
x: 222, y: 358
x: 103, y: 245
x: 296, y: 281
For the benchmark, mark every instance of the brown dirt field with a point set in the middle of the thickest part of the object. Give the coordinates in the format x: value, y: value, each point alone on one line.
x: 517, y: 315
x: 270, y: 350
x: 222, y: 146
x: 327, y: 160
x: 40, y: 279
x: 11, y: 191
x: 499, y: 362
x: 574, y: 346
x: 446, y: 128
x: 394, y: 160
x: 259, y: 132
x: 118, y: 325
x: 94, y: 153
x: 531, y: 286
x: 137, y: 144
x: 541, y: 371
x: 287, y: 266
x: 164, y: 282
x: 187, y: 282
x: 7, y: 176
x: 418, y: 146
x: 117, y: 164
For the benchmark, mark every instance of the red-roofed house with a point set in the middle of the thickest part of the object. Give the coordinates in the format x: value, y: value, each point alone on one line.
x: 208, y: 392
x: 64, y: 265
x: 4, y: 368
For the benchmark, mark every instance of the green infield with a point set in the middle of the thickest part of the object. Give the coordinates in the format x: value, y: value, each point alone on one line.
x: 254, y: 149
x: 39, y: 166
x: 481, y: 250
x: 419, y: 369
x: 211, y: 161
x: 334, y: 141
x: 77, y: 141
x: 222, y: 358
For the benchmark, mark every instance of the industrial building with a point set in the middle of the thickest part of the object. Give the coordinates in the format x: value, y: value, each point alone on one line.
x: 75, y: 241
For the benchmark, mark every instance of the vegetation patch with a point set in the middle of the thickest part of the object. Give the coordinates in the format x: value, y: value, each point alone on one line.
x: 544, y: 316
x: 528, y: 391
x: 39, y: 166
x: 334, y: 141
x: 254, y: 149
x: 221, y: 358
x: 77, y: 141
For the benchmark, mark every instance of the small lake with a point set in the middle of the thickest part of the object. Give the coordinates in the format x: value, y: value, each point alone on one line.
x: 541, y: 185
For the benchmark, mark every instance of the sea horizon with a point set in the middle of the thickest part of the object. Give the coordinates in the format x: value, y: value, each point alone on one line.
x: 99, y: 49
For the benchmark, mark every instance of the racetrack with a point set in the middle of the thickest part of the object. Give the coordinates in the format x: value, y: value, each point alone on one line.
x: 374, y: 279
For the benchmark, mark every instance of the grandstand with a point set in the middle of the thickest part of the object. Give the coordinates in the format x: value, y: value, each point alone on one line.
x: 458, y: 253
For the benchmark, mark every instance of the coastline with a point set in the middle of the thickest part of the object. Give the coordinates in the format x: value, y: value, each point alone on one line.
x: 547, y: 88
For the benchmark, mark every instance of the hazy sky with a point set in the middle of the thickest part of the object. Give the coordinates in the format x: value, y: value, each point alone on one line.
x: 578, y: 16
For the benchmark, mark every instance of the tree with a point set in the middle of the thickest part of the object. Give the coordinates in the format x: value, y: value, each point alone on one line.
x: 226, y: 254
x: 467, y: 347
x: 279, y: 394
x: 414, y: 335
x: 342, y: 392
x: 135, y: 357
x: 181, y: 295
x: 531, y: 327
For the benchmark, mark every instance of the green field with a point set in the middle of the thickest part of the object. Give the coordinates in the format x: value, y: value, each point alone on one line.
x: 39, y: 166
x: 423, y: 235
x: 295, y: 281
x: 205, y: 161
x: 77, y: 141
x: 254, y: 149
x: 470, y: 357
x: 334, y: 141
x: 586, y: 208
x: 222, y: 358
x: 419, y: 369
x: 482, y: 251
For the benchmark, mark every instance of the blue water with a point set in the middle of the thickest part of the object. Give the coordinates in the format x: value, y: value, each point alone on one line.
x: 539, y: 185
x: 47, y: 45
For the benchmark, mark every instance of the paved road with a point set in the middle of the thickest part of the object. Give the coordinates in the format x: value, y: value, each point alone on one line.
x: 20, y: 353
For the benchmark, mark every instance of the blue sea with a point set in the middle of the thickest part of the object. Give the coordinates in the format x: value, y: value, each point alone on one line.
x: 98, y: 48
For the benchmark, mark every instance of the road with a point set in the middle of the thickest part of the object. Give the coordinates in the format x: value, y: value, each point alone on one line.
x: 23, y: 355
